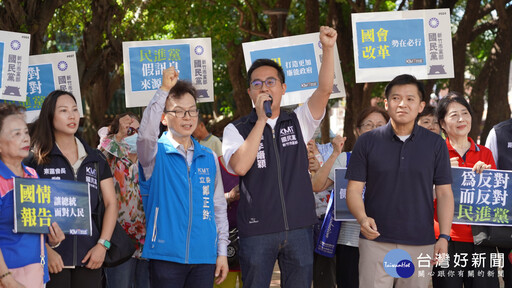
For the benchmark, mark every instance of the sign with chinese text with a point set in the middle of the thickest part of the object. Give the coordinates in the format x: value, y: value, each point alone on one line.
x: 482, y: 198
x: 14, y: 51
x: 341, y: 212
x: 416, y: 42
x: 40, y: 202
x: 49, y: 72
x: 300, y: 57
x: 144, y: 62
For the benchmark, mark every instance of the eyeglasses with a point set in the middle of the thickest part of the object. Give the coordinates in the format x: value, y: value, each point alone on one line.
x: 370, y: 126
x: 258, y: 84
x: 182, y: 113
x: 132, y: 131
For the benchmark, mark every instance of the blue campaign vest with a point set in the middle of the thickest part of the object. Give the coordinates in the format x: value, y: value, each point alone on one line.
x: 503, y: 138
x: 276, y: 193
x: 178, y: 201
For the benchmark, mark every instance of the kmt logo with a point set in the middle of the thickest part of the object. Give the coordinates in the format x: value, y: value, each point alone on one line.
x: 203, y: 171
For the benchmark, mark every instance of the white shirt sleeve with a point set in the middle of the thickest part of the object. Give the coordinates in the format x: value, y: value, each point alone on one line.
x: 492, y: 144
x: 307, y: 123
x: 231, y: 141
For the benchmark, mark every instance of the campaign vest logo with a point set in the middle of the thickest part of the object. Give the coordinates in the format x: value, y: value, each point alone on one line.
x: 203, y: 171
x: 286, y: 131
x: 288, y: 137
x: 398, y: 264
x: 90, y: 171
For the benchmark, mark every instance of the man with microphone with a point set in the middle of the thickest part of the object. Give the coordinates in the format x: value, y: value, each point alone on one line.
x: 277, y: 209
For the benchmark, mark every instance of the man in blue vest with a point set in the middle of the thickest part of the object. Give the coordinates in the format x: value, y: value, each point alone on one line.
x: 499, y: 141
x: 277, y: 209
x: 182, y: 192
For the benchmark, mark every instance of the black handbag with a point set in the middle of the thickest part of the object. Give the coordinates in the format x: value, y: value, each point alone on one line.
x: 122, y: 246
x: 492, y: 236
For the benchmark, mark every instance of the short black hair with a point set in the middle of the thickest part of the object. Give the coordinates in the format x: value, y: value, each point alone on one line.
x: 452, y: 97
x: 265, y: 62
x: 405, y: 79
x: 181, y: 88
x: 427, y: 111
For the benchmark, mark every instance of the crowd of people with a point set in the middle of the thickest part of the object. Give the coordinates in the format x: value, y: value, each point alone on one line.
x: 206, y: 213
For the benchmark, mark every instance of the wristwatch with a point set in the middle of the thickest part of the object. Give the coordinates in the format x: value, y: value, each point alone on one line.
x: 105, y: 243
x: 444, y: 236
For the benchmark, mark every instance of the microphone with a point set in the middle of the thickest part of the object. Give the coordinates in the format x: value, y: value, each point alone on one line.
x: 267, y: 106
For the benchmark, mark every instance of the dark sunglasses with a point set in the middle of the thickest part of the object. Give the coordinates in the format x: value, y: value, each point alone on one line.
x: 132, y: 131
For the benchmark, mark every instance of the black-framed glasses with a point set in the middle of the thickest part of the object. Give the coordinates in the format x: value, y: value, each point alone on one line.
x: 258, y: 84
x: 182, y: 113
x: 132, y: 131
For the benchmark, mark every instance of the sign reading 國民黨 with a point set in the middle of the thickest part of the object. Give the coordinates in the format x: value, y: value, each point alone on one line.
x: 416, y: 42
x: 300, y: 57
x: 144, y: 62
x: 46, y: 73
x: 482, y: 199
x: 40, y: 202
x: 14, y: 51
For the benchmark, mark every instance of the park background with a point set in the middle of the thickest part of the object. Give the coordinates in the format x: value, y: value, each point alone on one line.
x: 481, y: 35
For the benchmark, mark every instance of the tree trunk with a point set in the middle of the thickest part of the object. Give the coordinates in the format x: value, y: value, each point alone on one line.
x: 460, y: 40
x: 356, y: 99
x: 31, y: 17
x: 498, y: 109
x: 99, y: 58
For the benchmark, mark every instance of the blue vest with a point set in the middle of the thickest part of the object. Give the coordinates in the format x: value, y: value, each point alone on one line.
x: 276, y: 194
x: 503, y: 138
x: 178, y: 201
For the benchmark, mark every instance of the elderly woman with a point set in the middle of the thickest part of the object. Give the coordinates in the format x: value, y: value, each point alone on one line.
x: 78, y: 260
x: 455, y: 116
x: 20, y: 253
x: 120, y: 148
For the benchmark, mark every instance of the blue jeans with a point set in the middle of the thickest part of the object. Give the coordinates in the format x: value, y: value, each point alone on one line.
x: 133, y: 273
x: 293, y: 251
x: 171, y: 274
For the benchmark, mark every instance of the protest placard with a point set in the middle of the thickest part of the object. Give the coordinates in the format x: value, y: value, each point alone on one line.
x: 482, y: 199
x: 14, y: 51
x: 300, y: 57
x: 341, y: 212
x: 416, y: 42
x: 144, y: 62
x: 46, y: 73
x: 39, y: 202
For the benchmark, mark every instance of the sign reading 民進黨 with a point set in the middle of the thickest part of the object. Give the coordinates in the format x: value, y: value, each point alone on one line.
x: 14, y: 51
x: 144, y: 62
x: 40, y: 202
x: 416, y: 42
x: 46, y: 73
x: 482, y: 199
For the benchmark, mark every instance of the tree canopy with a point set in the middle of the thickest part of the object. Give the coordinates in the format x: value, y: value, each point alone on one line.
x: 482, y: 47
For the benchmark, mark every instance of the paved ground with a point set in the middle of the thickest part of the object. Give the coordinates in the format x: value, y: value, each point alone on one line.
x: 276, y: 282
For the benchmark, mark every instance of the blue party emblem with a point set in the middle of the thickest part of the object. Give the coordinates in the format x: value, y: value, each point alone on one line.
x: 62, y: 65
x: 398, y: 264
x: 199, y: 50
x: 15, y: 45
x: 433, y: 22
